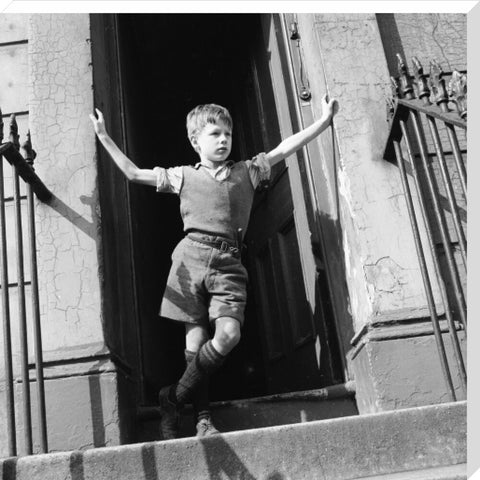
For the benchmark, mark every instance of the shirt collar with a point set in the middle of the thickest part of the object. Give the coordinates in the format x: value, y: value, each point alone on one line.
x: 227, y: 163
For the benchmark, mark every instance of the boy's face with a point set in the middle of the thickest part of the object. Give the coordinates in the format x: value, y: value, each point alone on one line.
x: 214, y: 142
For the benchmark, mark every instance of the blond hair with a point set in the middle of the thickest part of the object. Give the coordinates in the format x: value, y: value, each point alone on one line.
x: 198, y: 118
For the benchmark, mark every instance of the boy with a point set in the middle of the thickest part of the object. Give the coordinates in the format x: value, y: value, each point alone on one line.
x: 207, y: 281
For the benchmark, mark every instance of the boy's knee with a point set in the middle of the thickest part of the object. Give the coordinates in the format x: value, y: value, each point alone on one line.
x: 195, y: 338
x: 227, y: 332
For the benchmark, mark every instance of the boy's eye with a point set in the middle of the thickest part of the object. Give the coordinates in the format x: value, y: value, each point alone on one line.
x: 216, y: 133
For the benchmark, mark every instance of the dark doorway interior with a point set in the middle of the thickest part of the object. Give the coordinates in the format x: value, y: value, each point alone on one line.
x: 169, y: 64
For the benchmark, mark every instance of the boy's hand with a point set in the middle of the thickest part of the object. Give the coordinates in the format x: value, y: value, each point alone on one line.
x: 98, y: 123
x: 329, y: 107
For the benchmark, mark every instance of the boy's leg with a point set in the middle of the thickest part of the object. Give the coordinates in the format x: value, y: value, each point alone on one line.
x: 195, y: 337
x: 201, y: 405
x: 209, y: 359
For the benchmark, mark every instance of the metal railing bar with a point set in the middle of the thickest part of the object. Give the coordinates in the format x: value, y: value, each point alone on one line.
x: 14, y: 157
x: 440, y: 218
x: 22, y: 167
x: 457, y: 155
x: 7, y: 340
x: 15, y: 284
x: 432, y: 110
x: 424, y: 271
x: 436, y: 262
x: 449, y: 190
x: 22, y: 314
x: 37, y: 331
x: 462, y: 212
x: 14, y: 42
x: 20, y: 112
x: 12, y: 199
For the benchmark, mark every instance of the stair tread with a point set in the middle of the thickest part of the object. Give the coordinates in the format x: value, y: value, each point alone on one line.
x: 345, y: 448
x: 449, y: 472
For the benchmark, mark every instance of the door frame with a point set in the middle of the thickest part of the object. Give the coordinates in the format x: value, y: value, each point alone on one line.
x: 295, y: 114
x: 290, y: 120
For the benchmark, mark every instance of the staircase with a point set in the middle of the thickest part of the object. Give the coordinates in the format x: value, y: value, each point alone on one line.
x: 423, y: 443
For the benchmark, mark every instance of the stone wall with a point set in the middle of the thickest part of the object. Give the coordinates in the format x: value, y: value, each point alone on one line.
x: 50, y: 81
x: 346, y: 55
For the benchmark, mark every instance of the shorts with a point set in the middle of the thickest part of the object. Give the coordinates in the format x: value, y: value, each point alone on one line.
x: 204, y: 284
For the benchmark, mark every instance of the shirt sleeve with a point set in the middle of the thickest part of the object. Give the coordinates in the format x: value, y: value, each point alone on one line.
x: 169, y: 180
x: 258, y: 169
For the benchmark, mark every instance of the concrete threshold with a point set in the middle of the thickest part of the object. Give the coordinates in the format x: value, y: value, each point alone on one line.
x: 347, y: 448
x: 259, y: 412
x: 327, y: 393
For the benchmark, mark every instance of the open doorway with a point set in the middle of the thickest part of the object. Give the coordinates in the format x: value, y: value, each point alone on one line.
x: 168, y: 64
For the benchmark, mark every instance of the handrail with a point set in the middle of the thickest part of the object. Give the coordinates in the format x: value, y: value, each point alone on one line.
x: 24, y: 166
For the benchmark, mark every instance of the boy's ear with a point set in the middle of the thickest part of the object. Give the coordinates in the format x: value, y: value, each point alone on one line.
x: 195, y: 145
x: 193, y: 141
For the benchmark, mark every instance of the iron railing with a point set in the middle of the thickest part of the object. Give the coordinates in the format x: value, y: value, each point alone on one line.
x: 22, y: 167
x: 427, y: 141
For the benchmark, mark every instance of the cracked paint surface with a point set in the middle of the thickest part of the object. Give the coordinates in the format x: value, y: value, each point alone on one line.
x: 81, y: 397
x: 434, y: 36
x: 67, y: 230
x: 383, y: 274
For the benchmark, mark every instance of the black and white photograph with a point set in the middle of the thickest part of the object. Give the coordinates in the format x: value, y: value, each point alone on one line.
x: 233, y: 241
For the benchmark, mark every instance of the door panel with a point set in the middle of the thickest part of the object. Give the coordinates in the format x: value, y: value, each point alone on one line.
x: 283, y: 271
x: 273, y: 257
x: 299, y: 315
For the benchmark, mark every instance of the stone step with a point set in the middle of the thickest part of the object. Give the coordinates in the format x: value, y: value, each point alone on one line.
x: 452, y: 472
x: 267, y: 411
x: 411, y: 440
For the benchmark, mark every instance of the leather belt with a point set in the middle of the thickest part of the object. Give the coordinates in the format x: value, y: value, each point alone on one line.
x: 218, y: 244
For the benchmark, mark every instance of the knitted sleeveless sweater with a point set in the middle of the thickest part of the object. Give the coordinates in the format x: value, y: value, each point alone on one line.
x: 216, y: 207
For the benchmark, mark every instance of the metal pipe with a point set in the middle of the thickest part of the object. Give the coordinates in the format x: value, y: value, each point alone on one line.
x: 449, y: 189
x: 424, y: 272
x: 37, y: 332
x: 452, y: 136
x: 436, y: 261
x: 27, y: 415
x: 7, y: 340
x: 440, y: 218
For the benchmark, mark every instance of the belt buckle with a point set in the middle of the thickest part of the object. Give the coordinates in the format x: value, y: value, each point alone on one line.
x: 227, y: 248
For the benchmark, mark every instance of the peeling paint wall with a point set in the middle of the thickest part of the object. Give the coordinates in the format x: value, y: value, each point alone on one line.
x: 403, y: 373
x: 67, y: 229
x: 48, y: 79
x: 394, y: 363
x: 439, y: 36
x: 382, y: 272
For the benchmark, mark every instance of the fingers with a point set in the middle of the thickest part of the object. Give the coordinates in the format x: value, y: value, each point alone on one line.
x: 99, y: 114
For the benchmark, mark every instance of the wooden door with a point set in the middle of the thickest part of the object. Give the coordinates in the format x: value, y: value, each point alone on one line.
x: 294, y: 347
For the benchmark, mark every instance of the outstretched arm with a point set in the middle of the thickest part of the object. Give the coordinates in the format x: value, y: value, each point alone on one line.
x: 129, y: 169
x: 298, y: 140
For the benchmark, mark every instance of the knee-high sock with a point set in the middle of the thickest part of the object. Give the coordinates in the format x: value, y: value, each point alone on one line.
x: 206, y: 362
x: 200, y: 401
